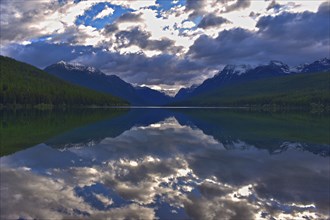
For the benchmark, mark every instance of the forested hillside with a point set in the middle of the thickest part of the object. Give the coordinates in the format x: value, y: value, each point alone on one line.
x: 23, y: 84
x: 302, y: 90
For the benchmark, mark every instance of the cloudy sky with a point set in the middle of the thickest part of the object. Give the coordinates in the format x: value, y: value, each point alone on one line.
x: 164, y: 44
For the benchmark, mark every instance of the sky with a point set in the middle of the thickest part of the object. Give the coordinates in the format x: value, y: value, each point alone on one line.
x: 164, y: 44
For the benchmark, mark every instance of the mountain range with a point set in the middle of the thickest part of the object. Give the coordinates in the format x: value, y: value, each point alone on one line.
x: 230, y: 78
x: 66, y: 83
x: 93, y: 78
x: 24, y: 85
x: 238, y: 74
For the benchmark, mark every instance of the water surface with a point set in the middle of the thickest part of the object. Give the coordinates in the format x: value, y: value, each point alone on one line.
x: 166, y: 164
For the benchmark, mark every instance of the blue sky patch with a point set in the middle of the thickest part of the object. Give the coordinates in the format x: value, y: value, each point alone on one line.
x: 88, y: 18
x: 165, y: 5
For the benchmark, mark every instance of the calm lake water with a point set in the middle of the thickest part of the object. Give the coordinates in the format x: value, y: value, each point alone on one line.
x: 164, y: 164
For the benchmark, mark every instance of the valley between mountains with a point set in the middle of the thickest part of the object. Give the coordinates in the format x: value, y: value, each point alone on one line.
x: 74, y: 84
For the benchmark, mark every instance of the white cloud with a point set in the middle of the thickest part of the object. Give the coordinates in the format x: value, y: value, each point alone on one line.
x: 23, y: 22
x: 34, y: 19
x: 188, y: 24
x: 26, y: 20
x: 167, y: 26
x: 301, y: 6
x: 134, y: 4
x: 107, y: 11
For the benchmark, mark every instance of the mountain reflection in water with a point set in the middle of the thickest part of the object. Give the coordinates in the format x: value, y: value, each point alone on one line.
x: 150, y: 164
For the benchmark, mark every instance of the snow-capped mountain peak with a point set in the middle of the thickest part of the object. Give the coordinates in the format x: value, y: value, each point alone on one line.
x: 236, y: 69
x: 62, y: 63
x: 282, y: 66
x: 320, y: 65
x: 78, y: 67
x: 324, y: 61
x: 297, y: 69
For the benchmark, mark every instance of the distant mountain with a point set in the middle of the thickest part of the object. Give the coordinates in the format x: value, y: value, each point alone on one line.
x: 219, y: 90
x: 317, y: 66
x: 152, y: 97
x: 93, y: 78
x: 237, y: 74
x: 23, y: 84
x: 296, y: 90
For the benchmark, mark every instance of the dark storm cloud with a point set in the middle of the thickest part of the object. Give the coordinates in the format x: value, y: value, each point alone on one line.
x: 274, y: 5
x: 293, y: 37
x: 194, y: 4
x: 140, y: 38
x: 197, y: 7
x: 42, y: 54
x: 239, y: 4
x: 134, y: 36
x: 224, y: 48
x: 135, y: 68
x: 110, y: 28
x: 129, y: 17
x: 254, y: 15
x: 306, y: 26
x: 211, y: 20
x: 71, y: 35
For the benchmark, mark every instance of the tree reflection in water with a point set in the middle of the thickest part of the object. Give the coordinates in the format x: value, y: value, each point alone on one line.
x: 165, y: 169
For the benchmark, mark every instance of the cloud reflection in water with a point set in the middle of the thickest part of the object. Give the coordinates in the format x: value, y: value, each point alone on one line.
x: 164, y: 170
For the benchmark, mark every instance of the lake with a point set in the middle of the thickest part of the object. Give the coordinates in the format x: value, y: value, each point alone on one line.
x: 164, y: 164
